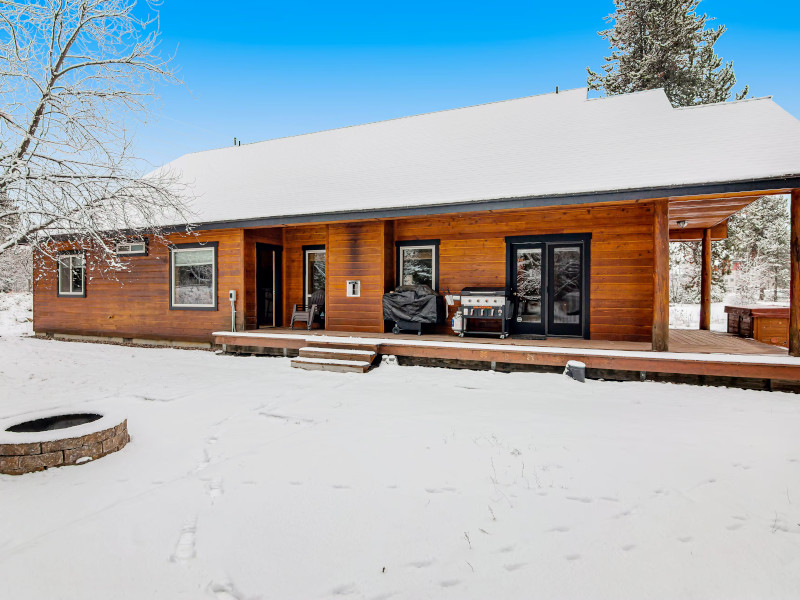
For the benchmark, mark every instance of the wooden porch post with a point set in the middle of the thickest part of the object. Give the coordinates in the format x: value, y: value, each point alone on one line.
x: 705, y: 282
x: 794, y: 293
x: 661, y: 276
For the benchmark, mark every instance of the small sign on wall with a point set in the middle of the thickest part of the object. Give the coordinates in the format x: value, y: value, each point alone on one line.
x: 353, y: 288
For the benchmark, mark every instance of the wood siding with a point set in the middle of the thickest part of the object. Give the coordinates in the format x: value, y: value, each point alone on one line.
x: 356, y: 251
x: 473, y: 253
x: 135, y: 303
x: 294, y: 238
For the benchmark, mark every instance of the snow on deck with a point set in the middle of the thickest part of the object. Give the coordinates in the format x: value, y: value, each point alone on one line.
x: 245, y: 478
x: 526, y: 349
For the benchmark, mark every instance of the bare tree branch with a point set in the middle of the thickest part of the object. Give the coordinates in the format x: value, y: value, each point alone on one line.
x: 72, y: 73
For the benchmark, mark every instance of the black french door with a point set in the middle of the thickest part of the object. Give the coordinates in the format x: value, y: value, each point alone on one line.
x: 548, y: 279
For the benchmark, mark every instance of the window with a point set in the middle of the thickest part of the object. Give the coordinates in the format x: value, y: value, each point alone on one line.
x: 417, y: 263
x: 132, y: 249
x: 193, y: 276
x: 313, y: 271
x: 72, y: 274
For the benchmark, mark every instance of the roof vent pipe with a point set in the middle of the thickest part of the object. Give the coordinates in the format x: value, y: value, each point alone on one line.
x: 556, y: 89
x: 234, y: 141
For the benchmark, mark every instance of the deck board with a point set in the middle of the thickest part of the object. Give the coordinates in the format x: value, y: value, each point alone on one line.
x: 681, y: 341
x: 695, y: 357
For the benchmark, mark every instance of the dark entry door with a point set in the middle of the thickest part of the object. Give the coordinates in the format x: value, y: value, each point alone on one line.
x: 548, y: 277
x: 527, y: 288
x: 565, y: 289
x: 268, y: 285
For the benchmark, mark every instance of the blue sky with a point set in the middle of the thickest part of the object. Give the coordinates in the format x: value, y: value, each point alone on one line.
x: 260, y: 70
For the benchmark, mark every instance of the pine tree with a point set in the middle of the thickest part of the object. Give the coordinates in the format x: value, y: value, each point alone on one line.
x: 685, y: 266
x: 758, y: 237
x: 664, y: 44
x: 758, y: 242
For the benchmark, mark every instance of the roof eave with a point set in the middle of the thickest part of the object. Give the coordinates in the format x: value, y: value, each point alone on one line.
x: 730, y: 187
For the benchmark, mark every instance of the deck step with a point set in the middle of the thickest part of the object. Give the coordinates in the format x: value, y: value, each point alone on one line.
x: 338, y: 353
x: 331, y: 364
x: 310, y: 343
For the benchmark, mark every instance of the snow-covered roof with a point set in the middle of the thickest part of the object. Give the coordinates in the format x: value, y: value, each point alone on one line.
x: 559, y: 144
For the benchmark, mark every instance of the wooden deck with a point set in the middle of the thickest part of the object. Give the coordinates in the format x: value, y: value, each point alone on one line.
x: 681, y: 341
x: 701, y: 357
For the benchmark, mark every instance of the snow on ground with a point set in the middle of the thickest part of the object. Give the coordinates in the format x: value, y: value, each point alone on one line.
x: 247, y: 479
x: 16, y: 312
x: 687, y: 316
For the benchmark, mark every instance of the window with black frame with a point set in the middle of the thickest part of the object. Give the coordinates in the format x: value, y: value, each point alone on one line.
x: 193, y: 277
x: 314, y: 272
x: 416, y: 264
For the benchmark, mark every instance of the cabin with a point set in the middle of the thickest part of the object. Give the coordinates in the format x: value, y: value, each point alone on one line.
x: 565, y: 202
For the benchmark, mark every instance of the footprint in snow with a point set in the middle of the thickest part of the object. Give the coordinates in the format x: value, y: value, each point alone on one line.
x: 582, y: 499
x: 184, y: 549
x: 449, y: 583
x: 572, y: 557
x: 204, y: 462
x: 514, y: 567
x: 215, y: 487
x: 685, y: 539
x: 345, y: 589
x: 559, y: 529
x: 734, y: 526
x: 224, y: 591
x: 421, y: 564
x: 609, y: 499
x: 506, y: 549
x: 628, y: 547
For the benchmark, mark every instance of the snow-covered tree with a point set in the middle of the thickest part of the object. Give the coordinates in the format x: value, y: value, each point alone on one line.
x: 16, y: 269
x: 758, y: 236
x: 664, y: 44
x: 756, y: 253
x: 685, y: 260
x: 74, y: 74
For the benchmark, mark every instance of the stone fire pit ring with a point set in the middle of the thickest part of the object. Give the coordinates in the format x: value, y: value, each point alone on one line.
x: 57, y: 438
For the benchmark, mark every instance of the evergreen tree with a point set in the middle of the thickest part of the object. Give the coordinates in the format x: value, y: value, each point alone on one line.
x: 758, y: 237
x: 664, y: 44
x: 685, y: 266
x: 757, y: 242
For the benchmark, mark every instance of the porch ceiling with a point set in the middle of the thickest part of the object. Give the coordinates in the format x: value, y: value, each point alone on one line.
x: 704, y: 214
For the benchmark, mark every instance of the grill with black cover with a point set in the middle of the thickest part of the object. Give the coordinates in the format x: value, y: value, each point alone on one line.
x: 412, y: 306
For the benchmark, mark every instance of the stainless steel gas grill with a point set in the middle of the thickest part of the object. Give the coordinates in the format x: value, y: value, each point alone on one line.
x: 484, y: 303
